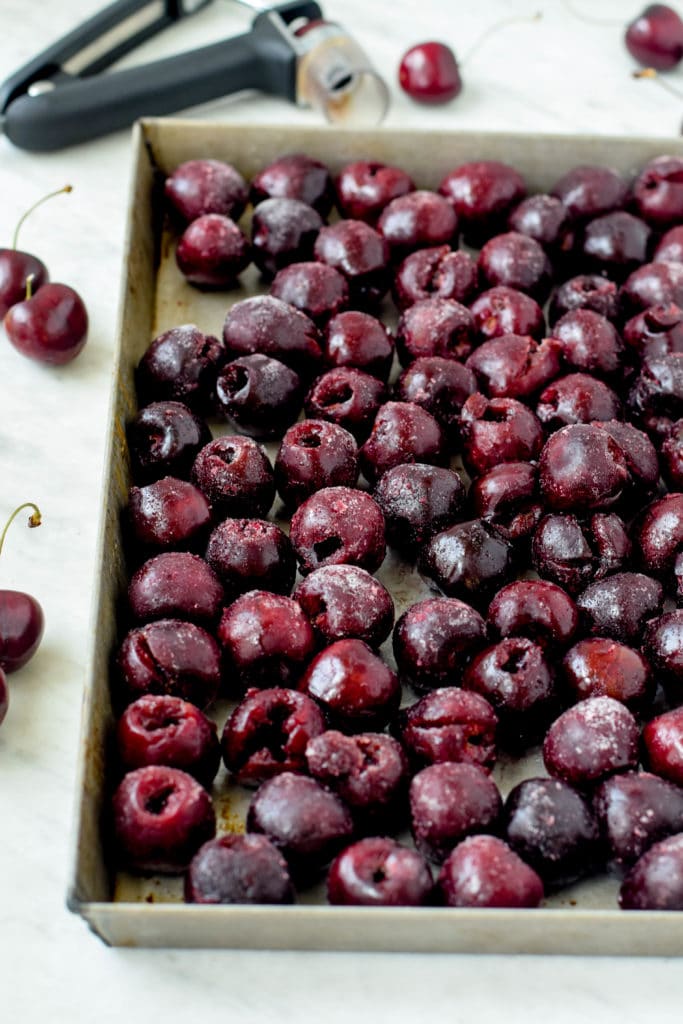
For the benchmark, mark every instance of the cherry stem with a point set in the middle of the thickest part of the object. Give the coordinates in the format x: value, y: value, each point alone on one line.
x: 651, y: 74
x: 35, y: 519
x: 50, y: 195
x: 588, y: 18
x: 505, y: 23
x: 29, y: 286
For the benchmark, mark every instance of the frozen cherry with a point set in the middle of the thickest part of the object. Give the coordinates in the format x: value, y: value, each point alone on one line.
x: 21, y: 618
x: 283, y: 231
x: 513, y: 366
x: 317, y: 290
x: 671, y: 453
x: 379, y: 872
x: 448, y: 802
x: 670, y: 246
x: 306, y: 822
x: 161, y: 818
x: 417, y: 220
x: 238, y: 869
x: 655, y: 400
x: 402, y: 433
x: 655, y: 882
x: 434, y: 327
x: 164, y: 439
x: 536, y: 609
x: 587, y: 291
x: 595, y: 738
x: 658, y: 191
x: 582, y: 468
x: 365, y: 187
x: 663, y: 745
x: 546, y: 219
x: 516, y: 679
x: 429, y: 73
x: 436, y: 272
x: 212, y: 252
x: 343, y: 602
x: 360, y: 253
x: 338, y: 525
x: 295, y: 176
x: 267, y: 641
x: 251, y: 553
x: 503, y: 310
x: 369, y: 771
x: 615, y: 244
x: 636, y: 810
x: 516, y: 261
x: 483, y: 193
x: 619, y: 606
x: 600, y: 667
x: 168, y: 513
x: 181, y: 365
x: 576, y: 398
x: 507, y: 496
x: 50, y: 325
x: 175, y: 585
x: 482, y: 871
x: 418, y: 501
x: 468, y: 561
x: 450, y: 724
x: 589, y: 342
x: 663, y: 645
x: 170, y: 657
x: 164, y: 730
x: 353, y: 686
x: 440, y: 385
x: 588, y: 191
x: 197, y: 187
x: 314, y: 454
x: 658, y: 539
x: 271, y: 327
x: 359, y: 340
x: 553, y: 829
x: 433, y: 641
x: 235, y: 475
x: 496, y: 430
x: 652, y: 284
x: 348, y: 397
x: 656, y: 331
x: 639, y: 452
x: 573, y: 554
x: 261, y: 395
x: 267, y: 734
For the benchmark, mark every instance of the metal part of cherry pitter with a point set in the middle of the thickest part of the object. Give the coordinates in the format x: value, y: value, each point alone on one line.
x: 61, y: 96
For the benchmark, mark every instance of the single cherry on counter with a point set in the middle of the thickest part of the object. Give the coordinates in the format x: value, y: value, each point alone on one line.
x: 50, y: 325
x: 21, y: 618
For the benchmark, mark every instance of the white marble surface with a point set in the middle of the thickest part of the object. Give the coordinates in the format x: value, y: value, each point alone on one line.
x: 557, y: 74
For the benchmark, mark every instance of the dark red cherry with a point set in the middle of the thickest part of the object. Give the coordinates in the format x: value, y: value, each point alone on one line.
x: 636, y: 810
x: 15, y: 269
x: 434, y: 327
x: 588, y: 191
x: 653, y: 284
x: 655, y: 400
x: 176, y: 585
x: 181, y: 366
x: 447, y: 725
x: 238, y: 869
x: 589, y: 342
x: 656, y: 880
x: 655, y: 37
x: 437, y: 272
x: 338, y: 525
x: 283, y: 231
x: 587, y: 291
x: 619, y: 606
x: 212, y: 251
x: 468, y: 561
x: 513, y: 366
x: 161, y: 817
x: 672, y: 457
x: 343, y: 602
x: 655, y: 331
x: 658, y: 189
x: 160, y: 729
x: 418, y: 501
x: 168, y: 514
x: 164, y: 440
x: 508, y: 496
x: 582, y: 468
x: 262, y: 395
x: 358, y: 340
x: 496, y: 430
x: 591, y: 740
x: 434, y: 640
x: 4, y: 696
x: 361, y: 254
x: 574, y: 553
x: 440, y: 385
x: 21, y: 617
x: 364, y: 188
x: 513, y: 260
x: 483, y: 193
x: 600, y: 667
x: 354, y: 687
x: 236, y: 476
x: 197, y: 187
x: 348, y: 397
x: 482, y: 871
x: 663, y: 646
x: 314, y: 454
x: 536, y: 609
x: 417, y: 220
x: 545, y: 219
x: 295, y: 176
x: 248, y: 554
x: 449, y: 801
x: 50, y: 326
x: 658, y: 539
x: 503, y: 310
x: 663, y: 745
x: 378, y: 872
x: 170, y: 657
x: 577, y: 398
x: 670, y: 246
x: 615, y: 244
x: 271, y: 327
x: 317, y: 290
x: 402, y: 433
x: 429, y: 73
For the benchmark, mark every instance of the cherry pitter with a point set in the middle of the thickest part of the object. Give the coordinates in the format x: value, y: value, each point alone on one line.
x: 62, y: 96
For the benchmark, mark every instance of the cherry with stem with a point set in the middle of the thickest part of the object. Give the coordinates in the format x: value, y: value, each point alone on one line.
x: 16, y: 266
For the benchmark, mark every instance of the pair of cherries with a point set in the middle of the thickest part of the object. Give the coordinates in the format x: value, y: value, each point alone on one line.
x: 429, y: 72
x: 21, y: 620
x: 45, y: 321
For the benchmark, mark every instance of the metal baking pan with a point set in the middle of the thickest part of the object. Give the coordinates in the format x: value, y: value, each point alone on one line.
x: 139, y: 911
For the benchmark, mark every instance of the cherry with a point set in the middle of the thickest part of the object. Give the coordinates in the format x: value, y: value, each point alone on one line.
x: 378, y: 872
x: 21, y: 619
x: 212, y: 252
x: 238, y: 869
x: 197, y: 187
x: 16, y: 266
x: 49, y: 326
x: 655, y: 37
x: 429, y: 73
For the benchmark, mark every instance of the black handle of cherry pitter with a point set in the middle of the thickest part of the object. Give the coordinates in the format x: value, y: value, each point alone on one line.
x: 72, y: 108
